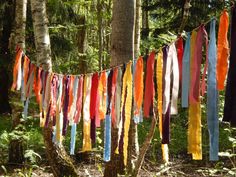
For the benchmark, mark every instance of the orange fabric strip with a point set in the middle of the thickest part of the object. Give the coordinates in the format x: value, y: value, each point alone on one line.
x: 222, y: 50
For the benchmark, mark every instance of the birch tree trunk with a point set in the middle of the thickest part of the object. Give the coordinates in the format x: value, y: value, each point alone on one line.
x: 122, y: 50
x: 16, y: 148
x: 59, y: 160
x: 133, y: 151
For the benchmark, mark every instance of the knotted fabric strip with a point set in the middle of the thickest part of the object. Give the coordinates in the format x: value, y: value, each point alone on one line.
x: 212, y: 96
x: 138, y: 90
x: 149, y: 85
x: 222, y: 50
x: 186, y: 73
x: 171, y: 66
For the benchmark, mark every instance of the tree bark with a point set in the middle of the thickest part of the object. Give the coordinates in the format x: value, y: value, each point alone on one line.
x: 59, y: 160
x: 186, y: 14
x: 81, y: 44
x: 145, y: 24
x: 133, y: 148
x: 122, y: 35
x: 100, y: 43
x: 16, y: 147
x: 5, y: 55
x: 41, y: 34
x: 122, y: 50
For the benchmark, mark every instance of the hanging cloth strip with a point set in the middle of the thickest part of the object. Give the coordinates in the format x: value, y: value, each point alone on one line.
x: 194, y: 125
x: 186, y: 73
x: 59, y: 112
x: 222, y: 50
x: 73, y: 138
x: 159, y: 66
x: 171, y: 67
x: 180, y: 51
x: 54, y: 92
x: 126, y: 104
x: 102, y: 90
x: 38, y: 84
x: 93, y: 109
x: 230, y: 94
x: 138, y: 90
x: 25, y: 75
x: 212, y: 96
x: 17, y: 72
x: 47, y: 98
x: 165, y: 119
x: 149, y: 85
x: 118, y: 97
x: 71, y: 97
x: 28, y: 88
x: 65, y: 98
x: 79, y: 100
x: 113, y: 101
x: 107, y: 127
x: 87, y: 146
x: 73, y: 106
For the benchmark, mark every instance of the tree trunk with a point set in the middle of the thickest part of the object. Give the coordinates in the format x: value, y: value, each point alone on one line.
x: 145, y: 24
x: 81, y: 43
x: 100, y: 44
x: 122, y: 50
x: 16, y: 147
x: 133, y: 147
x: 41, y: 34
x: 186, y: 14
x: 59, y: 160
x: 5, y: 61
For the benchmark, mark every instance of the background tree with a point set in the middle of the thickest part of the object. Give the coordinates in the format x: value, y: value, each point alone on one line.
x: 122, y: 50
x: 59, y: 161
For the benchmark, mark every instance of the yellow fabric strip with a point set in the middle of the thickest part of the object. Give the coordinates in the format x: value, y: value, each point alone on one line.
x: 159, y: 69
x: 127, y: 84
x: 195, y: 131
x: 194, y: 120
x: 87, y: 146
x: 102, y: 91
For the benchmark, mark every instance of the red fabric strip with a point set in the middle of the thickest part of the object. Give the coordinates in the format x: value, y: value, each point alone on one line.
x: 149, y: 85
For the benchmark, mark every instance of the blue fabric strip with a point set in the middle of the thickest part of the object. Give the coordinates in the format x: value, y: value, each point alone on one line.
x: 212, y: 96
x: 73, y: 137
x: 186, y: 72
x: 107, y: 132
x: 107, y: 143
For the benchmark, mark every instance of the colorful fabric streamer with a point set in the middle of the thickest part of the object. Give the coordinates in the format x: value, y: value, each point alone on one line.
x: 212, y: 96
x: 222, y: 50
x: 138, y: 90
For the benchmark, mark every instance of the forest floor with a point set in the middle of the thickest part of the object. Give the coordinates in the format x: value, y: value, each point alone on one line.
x: 177, y: 167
